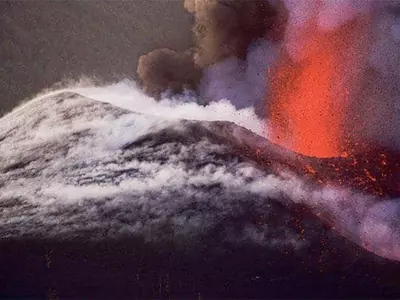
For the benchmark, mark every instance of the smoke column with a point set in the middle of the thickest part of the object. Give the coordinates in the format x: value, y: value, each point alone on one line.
x: 226, y: 28
x: 167, y: 70
x: 228, y: 61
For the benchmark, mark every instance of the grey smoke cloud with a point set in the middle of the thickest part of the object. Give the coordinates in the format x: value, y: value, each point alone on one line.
x: 224, y: 29
x: 243, y: 82
x: 227, y: 35
x: 167, y: 70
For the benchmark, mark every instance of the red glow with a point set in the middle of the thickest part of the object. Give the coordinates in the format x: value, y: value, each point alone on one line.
x: 310, y: 97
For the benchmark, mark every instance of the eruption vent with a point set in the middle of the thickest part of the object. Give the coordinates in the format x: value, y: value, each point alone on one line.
x: 313, y: 84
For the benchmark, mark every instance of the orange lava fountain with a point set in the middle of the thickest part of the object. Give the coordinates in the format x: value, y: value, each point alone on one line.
x: 309, y: 96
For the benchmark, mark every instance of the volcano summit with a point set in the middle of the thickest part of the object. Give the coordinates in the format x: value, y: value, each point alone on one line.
x: 165, y: 207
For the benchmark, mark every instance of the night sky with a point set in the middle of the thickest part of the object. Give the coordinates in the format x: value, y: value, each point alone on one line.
x: 44, y: 42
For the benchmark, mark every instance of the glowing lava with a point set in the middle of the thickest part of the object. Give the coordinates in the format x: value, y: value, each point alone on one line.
x: 310, y: 92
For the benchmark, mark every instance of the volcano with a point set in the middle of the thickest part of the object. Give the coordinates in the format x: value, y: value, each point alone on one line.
x: 99, y: 201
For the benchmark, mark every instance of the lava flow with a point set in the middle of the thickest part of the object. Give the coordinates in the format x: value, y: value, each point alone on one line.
x: 369, y: 172
x: 310, y: 89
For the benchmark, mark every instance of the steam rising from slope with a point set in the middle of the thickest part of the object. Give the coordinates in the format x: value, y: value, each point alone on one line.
x: 107, y: 179
x: 127, y: 95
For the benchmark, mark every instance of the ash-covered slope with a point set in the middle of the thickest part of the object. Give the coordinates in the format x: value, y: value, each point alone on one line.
x: 73, y: 166
x: 149, y: 207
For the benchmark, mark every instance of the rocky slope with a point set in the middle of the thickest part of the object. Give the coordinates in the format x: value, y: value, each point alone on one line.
x: 98, y: 201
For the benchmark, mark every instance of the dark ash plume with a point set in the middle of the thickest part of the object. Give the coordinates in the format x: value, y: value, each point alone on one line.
x: 222, y: 29
x: 225, y: 28
x: 165, y: 69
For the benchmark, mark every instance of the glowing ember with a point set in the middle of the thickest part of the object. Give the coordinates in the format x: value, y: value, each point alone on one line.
x: 310, y: 96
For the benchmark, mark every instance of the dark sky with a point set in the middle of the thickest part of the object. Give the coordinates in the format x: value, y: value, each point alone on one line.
x: 43, y: 42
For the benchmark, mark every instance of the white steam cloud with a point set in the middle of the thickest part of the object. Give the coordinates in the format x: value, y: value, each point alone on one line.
x: 126, y: 95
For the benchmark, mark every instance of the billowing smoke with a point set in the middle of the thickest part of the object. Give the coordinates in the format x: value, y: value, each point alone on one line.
x: 167, y: 70
x: 226, y: 28
x: 235, y: 42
